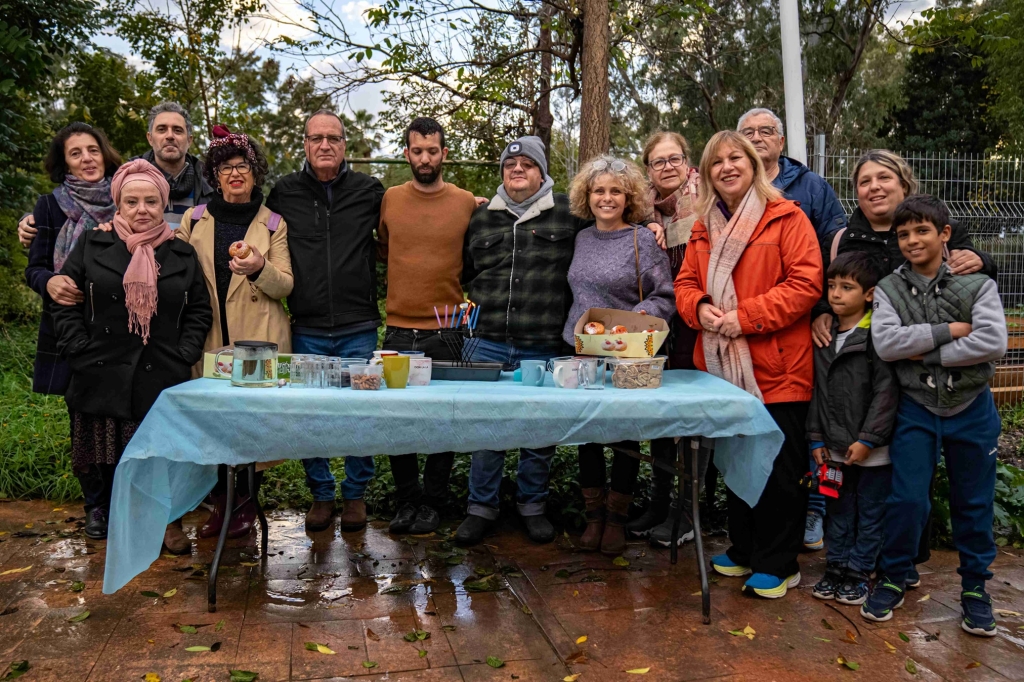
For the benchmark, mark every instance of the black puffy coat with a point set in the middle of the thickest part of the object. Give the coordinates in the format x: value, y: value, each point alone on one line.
x: 112, y: 373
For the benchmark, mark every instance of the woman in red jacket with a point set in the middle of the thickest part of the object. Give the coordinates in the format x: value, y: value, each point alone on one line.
x: 750, y: 277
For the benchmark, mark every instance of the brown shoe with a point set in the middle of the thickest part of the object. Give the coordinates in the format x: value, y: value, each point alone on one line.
x: 593, y: 498
x: 319, y: 515
x: 175, y: 540
x: 613, y: 541
x: 353, y: 516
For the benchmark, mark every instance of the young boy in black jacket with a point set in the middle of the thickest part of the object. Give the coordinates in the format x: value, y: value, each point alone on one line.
x: 849, y: 423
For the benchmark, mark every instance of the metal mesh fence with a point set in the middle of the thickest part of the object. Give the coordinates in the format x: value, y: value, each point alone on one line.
x: 985, y: 194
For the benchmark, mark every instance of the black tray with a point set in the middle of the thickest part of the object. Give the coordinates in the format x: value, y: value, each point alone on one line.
x: 465, y: 371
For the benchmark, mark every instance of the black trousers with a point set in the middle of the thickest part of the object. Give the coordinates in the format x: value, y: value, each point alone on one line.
x: 625, y: 469
x: 405, y: 468
x: 97, y: 482
x: 768, y: 536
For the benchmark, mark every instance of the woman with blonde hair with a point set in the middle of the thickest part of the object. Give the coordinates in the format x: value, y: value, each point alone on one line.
x: 750, y: 277
x: 616, y: 264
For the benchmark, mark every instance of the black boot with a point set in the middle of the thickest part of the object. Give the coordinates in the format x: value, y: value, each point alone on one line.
x: 403, y: 519
x: 427, y: 520
x: 657, y: 510
x: 473, y: 530
x: 539, y: 529
x: 96, y: 523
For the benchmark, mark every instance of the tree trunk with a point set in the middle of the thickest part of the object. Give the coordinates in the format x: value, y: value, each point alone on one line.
x: 595, y: 106
x: 542, y: 118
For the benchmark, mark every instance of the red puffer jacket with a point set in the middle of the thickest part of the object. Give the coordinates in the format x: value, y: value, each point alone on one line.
x: 778, y: 280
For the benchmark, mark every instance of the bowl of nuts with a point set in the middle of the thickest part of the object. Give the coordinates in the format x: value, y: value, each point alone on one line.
x: 637, y: 372
x: 366, y: 377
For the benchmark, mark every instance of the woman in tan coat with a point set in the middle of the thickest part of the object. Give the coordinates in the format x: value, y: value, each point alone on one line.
x: 245, y: 288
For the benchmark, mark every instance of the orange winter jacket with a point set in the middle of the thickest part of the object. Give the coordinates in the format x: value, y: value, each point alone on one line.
x: 778, y: 280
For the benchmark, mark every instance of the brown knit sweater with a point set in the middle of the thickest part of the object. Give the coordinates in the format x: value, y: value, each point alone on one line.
x: 420, y: 238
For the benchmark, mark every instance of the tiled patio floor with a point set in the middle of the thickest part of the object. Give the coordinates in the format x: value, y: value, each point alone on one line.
x: 333, y: 589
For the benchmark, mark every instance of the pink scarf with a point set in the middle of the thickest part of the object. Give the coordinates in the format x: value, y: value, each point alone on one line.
x: 140, y: 295
x: 730, y: 358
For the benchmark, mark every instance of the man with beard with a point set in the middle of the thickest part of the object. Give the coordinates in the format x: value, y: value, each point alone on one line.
x: 170, y: 136
x: 420, y: 236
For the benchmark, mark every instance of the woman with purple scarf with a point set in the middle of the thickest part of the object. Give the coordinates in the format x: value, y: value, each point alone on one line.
x: 82, y: 162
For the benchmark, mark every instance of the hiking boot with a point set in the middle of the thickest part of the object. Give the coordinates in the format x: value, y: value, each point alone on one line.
x: 661, y: 535
x: 883, y: 599
x: 175, y: 540
x: 977, y: 610
x: 353, y: 515
x: 427, y: 520
x: 593, y: 499
x: 771, y: 586
x: 723, y: 565
x: 403, y: 519
x: 814, y: 531
x: 320, y: 515
x: 829, y: 583
x: 613, y: 540
x: 96, y: 524
x: 472, y: 530
x: 854, y: 590
x: 539, y: 529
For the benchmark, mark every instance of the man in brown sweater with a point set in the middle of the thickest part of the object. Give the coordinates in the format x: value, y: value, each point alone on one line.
x: 422, y: 225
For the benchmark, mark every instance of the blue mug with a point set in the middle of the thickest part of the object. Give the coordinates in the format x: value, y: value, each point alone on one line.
x: 533, y: 372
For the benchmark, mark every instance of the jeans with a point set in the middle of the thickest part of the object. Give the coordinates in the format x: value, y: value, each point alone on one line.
x: 358, y: 470
x: 855, y: 520
x: 488, y: 465
x: 969, y: 441
x: 438, y: 468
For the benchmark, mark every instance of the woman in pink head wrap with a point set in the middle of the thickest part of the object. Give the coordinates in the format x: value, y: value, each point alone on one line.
x: 139, y: 328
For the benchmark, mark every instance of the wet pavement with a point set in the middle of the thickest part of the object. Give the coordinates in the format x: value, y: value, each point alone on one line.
x: 537, y: 612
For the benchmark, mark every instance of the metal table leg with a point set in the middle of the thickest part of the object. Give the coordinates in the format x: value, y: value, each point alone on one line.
x: 698, y: 541
x: 229, y: 504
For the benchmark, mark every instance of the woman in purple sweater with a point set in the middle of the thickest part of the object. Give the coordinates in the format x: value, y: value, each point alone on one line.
x: 605, y: 274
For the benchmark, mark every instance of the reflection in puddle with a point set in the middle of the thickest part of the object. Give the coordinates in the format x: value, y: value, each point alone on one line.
x: 285, y: 598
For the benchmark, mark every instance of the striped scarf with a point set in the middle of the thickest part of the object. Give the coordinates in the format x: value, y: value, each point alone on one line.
x: 728, y: 358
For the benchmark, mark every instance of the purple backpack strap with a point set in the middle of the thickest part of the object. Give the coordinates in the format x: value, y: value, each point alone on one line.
x: 274, y: 222
x: 198, y: 212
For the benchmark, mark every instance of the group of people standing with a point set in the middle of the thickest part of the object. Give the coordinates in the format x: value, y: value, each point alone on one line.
x: 734, y: 253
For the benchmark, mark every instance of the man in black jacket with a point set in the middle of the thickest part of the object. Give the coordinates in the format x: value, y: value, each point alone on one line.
x: 331, y: 212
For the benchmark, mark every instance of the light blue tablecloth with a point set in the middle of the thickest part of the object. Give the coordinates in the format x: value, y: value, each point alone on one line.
x: 171, y: 463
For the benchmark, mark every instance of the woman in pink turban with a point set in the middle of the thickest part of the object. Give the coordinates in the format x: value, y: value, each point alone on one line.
x: 138, y: 330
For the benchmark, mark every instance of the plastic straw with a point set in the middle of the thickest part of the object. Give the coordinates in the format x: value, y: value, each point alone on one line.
x: 446, y: 315
x: 437, y: 316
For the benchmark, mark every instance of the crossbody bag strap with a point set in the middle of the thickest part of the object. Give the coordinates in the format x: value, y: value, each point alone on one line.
x: 636, y: 251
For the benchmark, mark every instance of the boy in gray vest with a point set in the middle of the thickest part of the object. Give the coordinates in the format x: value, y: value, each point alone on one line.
x: 944, y: 333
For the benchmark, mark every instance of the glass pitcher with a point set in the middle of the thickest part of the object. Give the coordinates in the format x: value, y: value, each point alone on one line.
x: 254, y: 364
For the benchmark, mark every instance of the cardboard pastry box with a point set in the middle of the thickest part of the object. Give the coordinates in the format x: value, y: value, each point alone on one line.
x: 639, y: 342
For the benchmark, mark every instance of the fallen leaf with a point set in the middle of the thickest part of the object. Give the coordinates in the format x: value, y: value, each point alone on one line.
x: 560, y: 573
x: 571, y: 678
x: 374, y: 636
x: 827, y: 625
x: 353, y: 648
x: 696, y: 594
x: 889, y: 647
x: 247, y: 563
x: 975, y: 664
x: 526, y: 610
x: 77, y: 586
x: 324, y: 650
x: 581, y: 640
x: 423, y: 653
x: 215, y: 647
x: 575, y: 593
x: 16, y: 570
x: 448, y: 628
x: 491, y: 583
x: 242, y: 675
x: 310, y: 646
x: 369, y: 664
x: 79, y: 618
x: 170, y: 593
x: 910, y: 666
x: 151, y: 677
x: 409, y: 636
x: 1006, y: 612
x: 187, y: 629
x: 638, y: 671
x: 749, y: 632
x: 849, y: 664
x: 220, y: 625
x: 495, y: 662
x: 925, y: 598
x: 850, y: 636
x: 147, y: 593
x: 17, y: 669
x: 822, y: 639
x: 931, y: 638
x: 576, y: 658
x: 903, y: 637
x: 620, y: 561
x: 197, y: 648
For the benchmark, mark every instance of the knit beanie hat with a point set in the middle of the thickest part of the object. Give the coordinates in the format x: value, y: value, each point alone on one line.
x: 529, y: 146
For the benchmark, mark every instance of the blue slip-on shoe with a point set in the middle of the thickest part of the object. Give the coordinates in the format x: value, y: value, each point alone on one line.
x: 977, y: 609
x: 725, y: 566
x: 814, y: 531
x: 771, y: 586
x: 854, y: 590
x: 913, y: 579
x: 883, y: 599
x: 829, y: 583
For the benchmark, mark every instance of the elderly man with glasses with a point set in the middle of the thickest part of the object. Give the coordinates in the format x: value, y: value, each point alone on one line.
x: 331, y: 212
x: 797, y: 182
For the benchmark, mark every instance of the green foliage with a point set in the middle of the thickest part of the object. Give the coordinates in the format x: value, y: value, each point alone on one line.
x: 18, y: 303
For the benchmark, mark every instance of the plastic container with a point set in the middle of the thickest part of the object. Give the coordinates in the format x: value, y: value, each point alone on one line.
x: 637, y: 372
x: 366, y: 377
x: 346, y: 377
x: 419, y: 371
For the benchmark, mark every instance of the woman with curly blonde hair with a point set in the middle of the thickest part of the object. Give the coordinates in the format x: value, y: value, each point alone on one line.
x: 617, y: 263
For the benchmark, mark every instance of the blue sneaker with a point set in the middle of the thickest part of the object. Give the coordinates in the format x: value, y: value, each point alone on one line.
x: 977, y: 609
x: 883, y: 599
x: 814, y: 531
x: 771, y: 586
x: 829, y: 583
x: 854, y: 590
x: 724, y: 565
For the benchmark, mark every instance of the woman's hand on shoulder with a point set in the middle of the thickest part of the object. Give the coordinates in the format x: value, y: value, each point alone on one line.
x: 659, y: 234
x: 105, y: 227
x: 964, y: 262
x: 821, y: 330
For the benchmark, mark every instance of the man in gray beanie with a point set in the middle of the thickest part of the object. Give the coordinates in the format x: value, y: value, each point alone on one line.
x: 515, y: 261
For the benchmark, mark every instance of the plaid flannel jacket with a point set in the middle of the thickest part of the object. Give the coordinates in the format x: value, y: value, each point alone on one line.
x: 516, y: 270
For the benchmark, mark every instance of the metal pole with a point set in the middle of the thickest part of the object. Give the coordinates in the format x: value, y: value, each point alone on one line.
x: 789, y: 19
x: 819, y: 154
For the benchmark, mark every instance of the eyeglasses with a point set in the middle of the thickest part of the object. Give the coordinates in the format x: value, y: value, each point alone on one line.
x: 317, y: 140
x: 510, y: 164
x: 763, y: 131
x: 617, y: 165
x: 242, y: 168
x: 674, y: 161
